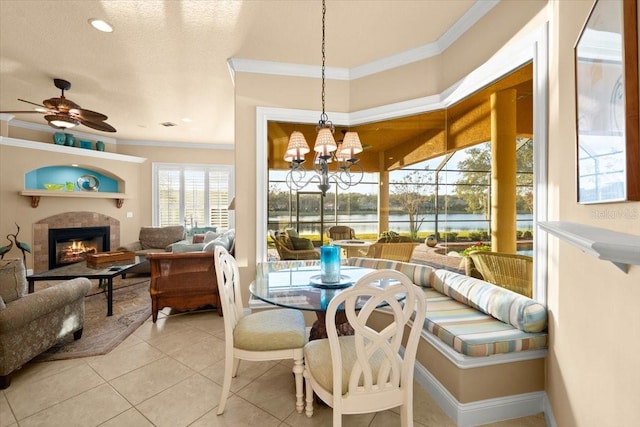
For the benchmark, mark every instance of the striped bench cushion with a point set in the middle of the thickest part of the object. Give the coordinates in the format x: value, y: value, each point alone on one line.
x: 503, y: 304
x: 472, y: 332
x: 419, y: 274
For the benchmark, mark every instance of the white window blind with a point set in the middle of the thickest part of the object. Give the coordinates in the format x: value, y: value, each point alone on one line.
x: 193, y: 195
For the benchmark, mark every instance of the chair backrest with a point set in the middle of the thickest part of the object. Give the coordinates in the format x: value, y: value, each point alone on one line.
x: 229, y: 289
x: 511, y: 271
x: 341, y: 232
x: 392, y: 251
x: 378, y: 368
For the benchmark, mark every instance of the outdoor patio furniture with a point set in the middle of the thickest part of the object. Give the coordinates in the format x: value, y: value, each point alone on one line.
x: 510, y: 271
x: 341, y: 232
x: 400, y: 251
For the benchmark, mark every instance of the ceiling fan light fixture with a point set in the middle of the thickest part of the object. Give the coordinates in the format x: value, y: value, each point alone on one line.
x: 61, y: 122
x: 101, y: 25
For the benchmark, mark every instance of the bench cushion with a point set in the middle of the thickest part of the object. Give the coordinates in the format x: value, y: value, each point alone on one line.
x: 419, y: 274
x: 503, y: 304
x: 472, y: 332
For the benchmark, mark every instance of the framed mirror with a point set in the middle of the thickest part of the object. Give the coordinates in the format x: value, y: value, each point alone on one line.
x: 606, y: 66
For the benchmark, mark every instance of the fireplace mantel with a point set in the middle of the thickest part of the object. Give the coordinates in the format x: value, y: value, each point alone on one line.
x: 37, y: 194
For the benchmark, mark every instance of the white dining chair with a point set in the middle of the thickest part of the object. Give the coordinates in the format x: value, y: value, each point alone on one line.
x: 367, y: 372
x: 276, y: 334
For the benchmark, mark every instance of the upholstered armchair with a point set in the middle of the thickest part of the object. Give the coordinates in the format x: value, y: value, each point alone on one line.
x: 32, y: 323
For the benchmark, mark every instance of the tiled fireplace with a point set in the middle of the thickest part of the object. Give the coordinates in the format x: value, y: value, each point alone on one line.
x: 91, y: 231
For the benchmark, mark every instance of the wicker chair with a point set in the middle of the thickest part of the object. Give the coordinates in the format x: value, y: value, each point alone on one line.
x: 285, y: 251
x: 341, y: 232
x: 400, y: 251
x: 510, y: 271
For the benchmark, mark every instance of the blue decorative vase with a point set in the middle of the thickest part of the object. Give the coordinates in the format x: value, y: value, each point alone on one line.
x: 70, y: 140
x: 330, y: 264
x: 59, y: 138
x: 99, y: 145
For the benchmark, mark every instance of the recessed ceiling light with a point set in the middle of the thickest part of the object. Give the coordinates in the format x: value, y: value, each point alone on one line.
x: 187, y: 120
x: 101, y: 25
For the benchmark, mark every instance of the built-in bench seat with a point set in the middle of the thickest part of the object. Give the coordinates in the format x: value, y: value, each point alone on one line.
x: 483, y: 347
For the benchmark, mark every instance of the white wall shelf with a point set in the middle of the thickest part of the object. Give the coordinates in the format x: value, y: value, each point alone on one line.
x: 621, y: 249
x: 37, y: 194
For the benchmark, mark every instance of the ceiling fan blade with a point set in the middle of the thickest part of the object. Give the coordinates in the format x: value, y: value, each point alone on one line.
x: 23, y: 112
x: 105, y: 127
x: 92, y: 116
x: 32, y: 103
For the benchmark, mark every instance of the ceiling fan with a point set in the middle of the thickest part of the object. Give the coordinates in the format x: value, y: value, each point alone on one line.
x: 62, y: 113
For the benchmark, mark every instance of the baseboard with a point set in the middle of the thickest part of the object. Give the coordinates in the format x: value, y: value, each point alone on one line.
x: 483, y: 411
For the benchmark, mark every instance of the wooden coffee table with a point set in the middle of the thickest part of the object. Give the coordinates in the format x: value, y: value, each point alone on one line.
x: 105, y: 273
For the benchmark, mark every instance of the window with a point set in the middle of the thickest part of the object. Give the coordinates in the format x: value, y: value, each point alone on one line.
x: 193, y: 195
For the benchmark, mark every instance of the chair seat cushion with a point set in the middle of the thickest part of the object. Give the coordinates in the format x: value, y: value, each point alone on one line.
x: 317, y: 357
x: 276, y: 329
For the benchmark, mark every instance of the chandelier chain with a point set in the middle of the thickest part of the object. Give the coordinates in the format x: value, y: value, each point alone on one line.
x: 324, y: 11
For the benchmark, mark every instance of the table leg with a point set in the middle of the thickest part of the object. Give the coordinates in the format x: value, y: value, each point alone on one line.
x: 109, y: 296
x: 32, y: 285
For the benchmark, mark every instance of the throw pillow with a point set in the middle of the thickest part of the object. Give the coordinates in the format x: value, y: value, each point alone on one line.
x: 187, y: 247
x: 291, y: 232
x: 300, y: 243
x: 210, y: 235
x: 218, y: 241
x: 2, y: 304
x: 13, y: 281
x: 197, y: 238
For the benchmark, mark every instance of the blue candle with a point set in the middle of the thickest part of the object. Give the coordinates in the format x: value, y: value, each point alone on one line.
x: 330, y: 264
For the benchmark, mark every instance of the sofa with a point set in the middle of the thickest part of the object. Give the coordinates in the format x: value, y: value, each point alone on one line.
x: 153, y: 240
x: 185, y: 278
x: 32, y: 323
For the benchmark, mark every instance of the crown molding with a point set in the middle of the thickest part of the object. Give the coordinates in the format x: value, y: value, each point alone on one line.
x: 462, y: 25
x: 177, y: 144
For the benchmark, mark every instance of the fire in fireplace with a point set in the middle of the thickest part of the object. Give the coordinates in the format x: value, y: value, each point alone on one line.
x: 71, y: 245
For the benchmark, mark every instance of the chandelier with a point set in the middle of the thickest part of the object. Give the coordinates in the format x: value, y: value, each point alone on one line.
x: 347, y: 171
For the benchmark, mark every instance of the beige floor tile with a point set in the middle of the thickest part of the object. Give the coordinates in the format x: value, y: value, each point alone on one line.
x: 183, y: 403
x: 237, y: 412
x: 530, y: 421
x: 273, y: 392
x: 247, y: 372
x: 129, y: 418
x: 426, y: 411
x: 201, y: 354
x: 6, y: 416
x: 130, y: 341
x: 87, y: 409
x: 388, y: 419
x: 180, y: 339
x: 118, y: 363
x: 163, y: 326
x: 31, y: 397
x: 139, y: 385
x: 38, y: 371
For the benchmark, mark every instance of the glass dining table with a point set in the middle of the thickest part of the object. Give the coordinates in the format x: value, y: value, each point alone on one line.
x: 297, y: 285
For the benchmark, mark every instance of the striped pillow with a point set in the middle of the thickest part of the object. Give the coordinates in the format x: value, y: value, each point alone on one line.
x: 419, y: 274
x: 503, y: 304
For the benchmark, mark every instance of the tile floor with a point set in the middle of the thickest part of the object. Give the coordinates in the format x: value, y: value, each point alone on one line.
x: 170, y: 374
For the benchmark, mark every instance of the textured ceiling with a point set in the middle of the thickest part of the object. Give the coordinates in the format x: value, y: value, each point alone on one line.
x: 167, y: 60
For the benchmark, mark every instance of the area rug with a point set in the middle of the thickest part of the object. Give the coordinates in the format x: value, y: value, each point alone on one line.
x: 101, y: 334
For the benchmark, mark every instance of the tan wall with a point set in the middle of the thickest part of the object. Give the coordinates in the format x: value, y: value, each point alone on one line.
x: 593, y: 378
x: 16, y: 161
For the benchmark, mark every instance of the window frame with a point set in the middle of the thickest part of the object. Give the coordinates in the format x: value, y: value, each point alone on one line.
x: 156, y: 167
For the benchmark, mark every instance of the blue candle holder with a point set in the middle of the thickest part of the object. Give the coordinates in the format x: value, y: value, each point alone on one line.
x: 330, y: 264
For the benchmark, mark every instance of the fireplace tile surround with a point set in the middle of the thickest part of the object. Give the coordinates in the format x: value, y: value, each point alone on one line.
x: 68, y: 220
